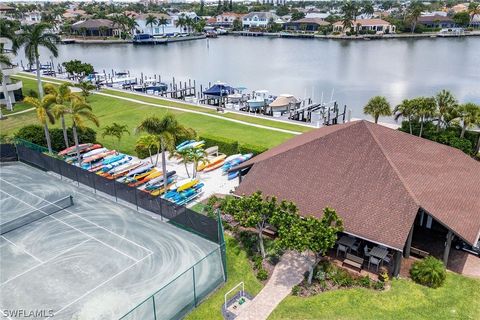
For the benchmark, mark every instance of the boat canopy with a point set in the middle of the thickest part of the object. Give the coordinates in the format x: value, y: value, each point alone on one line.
x: 283, y: 101
x: 218, y: 90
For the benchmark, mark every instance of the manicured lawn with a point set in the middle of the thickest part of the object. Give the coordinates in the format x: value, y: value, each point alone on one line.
x: 459, y: 298
x: 238, y: 269
x: 110, y: 110
x: 17, y: 108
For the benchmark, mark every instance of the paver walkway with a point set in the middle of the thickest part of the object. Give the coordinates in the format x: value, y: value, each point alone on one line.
x: 287, y: 273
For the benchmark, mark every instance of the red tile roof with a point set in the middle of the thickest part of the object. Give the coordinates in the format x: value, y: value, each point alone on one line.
x: 375, y: 177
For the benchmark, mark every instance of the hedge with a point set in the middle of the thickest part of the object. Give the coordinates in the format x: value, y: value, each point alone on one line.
x: 35, y: 134
x: 230, y: 147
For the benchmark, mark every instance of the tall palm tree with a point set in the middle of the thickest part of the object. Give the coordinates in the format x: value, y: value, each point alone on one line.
x: 167, y: 130
x: 180, y: 23
x: 162, y: 21
x: 44, y: 114
x: 446, y: 102
x: 197, y: 156
x: 151, y: 20
x: 368, y: 9
x: 469, y: 115
x: 81, y: 112
x: 414, y: 12
x: 86, y: 87
x: 376, y: 107
x: 33, y: 37
x: 61, y: 106
x: 184, y: 154
x: 424, y: 108
x: 406, y: 111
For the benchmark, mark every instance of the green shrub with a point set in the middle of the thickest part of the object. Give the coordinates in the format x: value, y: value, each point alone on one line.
x: 249, y: 242
x: 364, y: 282
x: 320, y: 275
x: 35, y: 134
x: 262, y: 274
x: 32, y: 93
x: 257, y: 262
x: 429, y: 272
x: 226, y: 146
x: 142, y: 152
x: 342, y: 278
x: 379, y: 285
x: 250, y: 148
x: 295, y: 290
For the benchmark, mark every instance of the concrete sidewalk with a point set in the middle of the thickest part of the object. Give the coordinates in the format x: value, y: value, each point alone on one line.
x: 287, y: 273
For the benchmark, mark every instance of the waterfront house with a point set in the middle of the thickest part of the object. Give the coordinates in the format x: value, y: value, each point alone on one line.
x: 436, y: 21
x: 168, y: 28
x: 258, y: 19
x: 5, y: 10
x: 31, y: 17
x: 94, y: 28
x: 408, y: 194
x: 379, y: 26
x: 226, y: 19
x: 306, y: 24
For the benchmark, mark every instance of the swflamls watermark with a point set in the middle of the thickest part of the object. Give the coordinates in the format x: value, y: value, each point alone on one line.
x: 26, y: 313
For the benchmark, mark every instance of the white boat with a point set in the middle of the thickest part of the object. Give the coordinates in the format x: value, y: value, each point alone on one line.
x: 120, y: 80
x: 260, y: 100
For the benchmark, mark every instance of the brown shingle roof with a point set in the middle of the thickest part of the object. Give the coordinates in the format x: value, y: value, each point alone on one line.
x: 93, y: 24
x: 375, y: 177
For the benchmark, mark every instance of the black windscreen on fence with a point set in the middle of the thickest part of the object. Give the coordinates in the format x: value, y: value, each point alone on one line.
x: 196, y: 222
x: 177, y: 215
x: 148, y: 202
x: 8, y: 153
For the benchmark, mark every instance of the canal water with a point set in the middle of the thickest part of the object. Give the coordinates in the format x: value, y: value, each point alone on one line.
x: 353, y: 71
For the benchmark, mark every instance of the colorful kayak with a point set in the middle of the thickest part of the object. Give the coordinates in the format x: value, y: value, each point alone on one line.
x: 159, y: 191
x: 184, y: 143
x: 116, y: 164
x: 235, y: 162
x: 123, y: 171
x: 93, y: 152
x: 98, y: 156
x: 151, y: 175
x: 140, y: 169
x: 187, y: 184
x: 214, y: 166
x: 233, y: 175
x: 159, y: 179
x: 203, y: 165
x: 73, y: 149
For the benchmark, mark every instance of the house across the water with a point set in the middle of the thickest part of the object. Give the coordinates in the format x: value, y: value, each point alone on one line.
x: 392, y: 189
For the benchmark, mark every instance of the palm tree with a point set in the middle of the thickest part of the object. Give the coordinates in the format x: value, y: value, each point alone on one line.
x: 115, y: 130
x: 34, y: 37
x: 60, y: 107
x: 197, y: 156
x: 424, y: 108
x: 446, y: 102
x: 86, y: 87
x: 470, y: 116
x: 368, y: 9
x: 473, y: 10
x: 406, y: 111
x: 185, y: 155
x: 149, y: 141
x: 414, y: 12
x: 180, y: 23
x: 80, y: 112
x: 167, y: 130
x: 162, y: 21
x: 376, y: 107
x: 151, y: 20
x: 44, y: 114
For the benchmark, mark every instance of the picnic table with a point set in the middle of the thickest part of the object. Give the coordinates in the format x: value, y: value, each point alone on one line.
x: 379, y: 253
x: 346, y: 241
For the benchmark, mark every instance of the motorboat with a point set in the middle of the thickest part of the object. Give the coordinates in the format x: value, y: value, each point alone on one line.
x: 283, y: 103
x: 151, y: 86
x: 260, y: 99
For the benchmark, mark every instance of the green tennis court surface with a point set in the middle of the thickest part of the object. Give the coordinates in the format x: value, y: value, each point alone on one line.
x: 92, y: 258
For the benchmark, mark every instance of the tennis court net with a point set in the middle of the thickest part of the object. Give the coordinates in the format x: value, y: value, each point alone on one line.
x: 36, y: 215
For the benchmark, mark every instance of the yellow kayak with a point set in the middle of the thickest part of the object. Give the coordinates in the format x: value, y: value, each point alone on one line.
x: 211, y: 162
x: 189, y: 184
x: 160, y: 191
x: 145, y: 174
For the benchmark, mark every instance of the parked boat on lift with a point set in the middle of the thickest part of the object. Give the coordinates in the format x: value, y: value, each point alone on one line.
x: 260, y: 99
x: 151, y: 86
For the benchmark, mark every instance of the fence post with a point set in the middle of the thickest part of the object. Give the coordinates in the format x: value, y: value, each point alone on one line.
x: 194, y: 289
x: 115, y: 189
x: 76, y: 173
x: 136, y: 200
x: 154, y: 308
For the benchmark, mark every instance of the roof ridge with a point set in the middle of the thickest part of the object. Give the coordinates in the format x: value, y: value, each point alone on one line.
x: 394, y: 167
x: 350, y: 124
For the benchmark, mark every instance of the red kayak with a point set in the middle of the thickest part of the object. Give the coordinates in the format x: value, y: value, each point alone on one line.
x: 73, y: 149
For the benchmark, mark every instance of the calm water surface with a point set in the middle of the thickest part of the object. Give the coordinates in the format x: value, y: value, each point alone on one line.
x: 354, y: 70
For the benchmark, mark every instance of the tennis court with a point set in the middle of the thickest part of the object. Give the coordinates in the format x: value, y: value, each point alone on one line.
x: 83, y: 256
